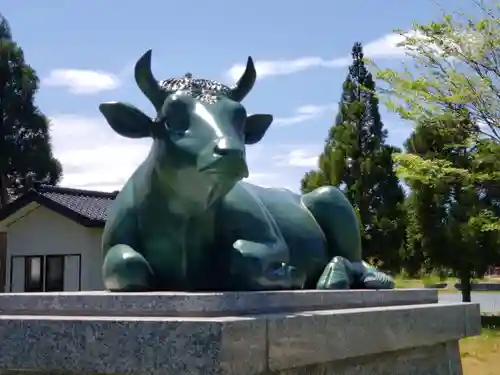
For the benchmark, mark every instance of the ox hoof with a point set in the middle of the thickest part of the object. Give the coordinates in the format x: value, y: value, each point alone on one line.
x: 255, y: 266
x: 374, y: 279
x: 368, y: 277
x: 125, y: 270
x: 338, y: 274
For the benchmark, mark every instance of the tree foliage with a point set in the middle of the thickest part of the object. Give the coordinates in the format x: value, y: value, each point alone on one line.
x: 452, y: 93
x: 25, y: 149
x: 357, y: 159
x: 456, y: 71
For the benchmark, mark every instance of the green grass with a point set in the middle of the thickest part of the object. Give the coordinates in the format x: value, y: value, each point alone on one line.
x: 403, y: 282
x: 408, y: 283
x: 480, y: 355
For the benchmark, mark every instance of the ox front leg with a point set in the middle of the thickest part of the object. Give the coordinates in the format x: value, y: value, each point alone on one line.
x: 125, y: 270
x: 340, y: 273
x: 256, y: 266
x: 371, y: 278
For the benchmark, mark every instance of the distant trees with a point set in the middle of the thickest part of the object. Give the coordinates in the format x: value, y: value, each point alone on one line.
x: 25, y: 149
x: 357, y: 159
x: 450, y: 220
x: 453, y: 156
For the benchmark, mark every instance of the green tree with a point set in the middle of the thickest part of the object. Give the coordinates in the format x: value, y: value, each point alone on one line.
x: 357, y: 159
x: 453, y: 95
x: 25, y: 149
x: 451, y: 220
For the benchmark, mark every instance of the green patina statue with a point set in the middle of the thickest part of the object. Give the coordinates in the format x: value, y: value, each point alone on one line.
x: 185, y: 221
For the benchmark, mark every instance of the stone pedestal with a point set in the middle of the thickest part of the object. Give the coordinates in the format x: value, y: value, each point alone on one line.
x: 399, y: 332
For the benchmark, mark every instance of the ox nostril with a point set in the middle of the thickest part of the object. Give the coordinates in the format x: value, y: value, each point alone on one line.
x: 221, y: 151
x: 223, y: 148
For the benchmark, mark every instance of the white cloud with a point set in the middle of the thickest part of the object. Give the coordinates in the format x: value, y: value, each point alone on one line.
x: 301, y: 158
x: 92, y: 155
x: 81, y: 82
x: 304, y: 113
x: 264, y: 179
x: 283, y: 67
x: 384, y: 47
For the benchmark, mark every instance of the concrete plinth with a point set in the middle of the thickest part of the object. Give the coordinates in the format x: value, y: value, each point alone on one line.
x: 399, y: 332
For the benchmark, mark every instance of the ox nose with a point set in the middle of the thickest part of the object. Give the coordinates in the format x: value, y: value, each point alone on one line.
x: 224, y: 147
x: 227, y: 159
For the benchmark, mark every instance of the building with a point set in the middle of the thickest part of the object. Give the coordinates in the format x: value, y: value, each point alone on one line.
x: 51, y: 240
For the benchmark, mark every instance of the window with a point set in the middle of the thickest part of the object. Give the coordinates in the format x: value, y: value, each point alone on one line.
x: 33, y: 267
x: 3, y: 259
x: 54, y: 273
x: 46, y: 273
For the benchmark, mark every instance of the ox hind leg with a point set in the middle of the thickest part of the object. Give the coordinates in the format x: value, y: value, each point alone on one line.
x: 125, y: 270
x: 337, y: 218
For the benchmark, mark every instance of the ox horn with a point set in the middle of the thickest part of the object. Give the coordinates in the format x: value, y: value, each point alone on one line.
x: 245, y: 83
x: 148, y: 83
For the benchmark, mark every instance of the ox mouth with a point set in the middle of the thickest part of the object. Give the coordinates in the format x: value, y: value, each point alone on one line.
x: 219, y: 172
x: 241, y: 171
x: 225, y: 167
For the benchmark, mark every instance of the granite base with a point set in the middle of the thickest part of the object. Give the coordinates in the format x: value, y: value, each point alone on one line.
x: 292, y: 332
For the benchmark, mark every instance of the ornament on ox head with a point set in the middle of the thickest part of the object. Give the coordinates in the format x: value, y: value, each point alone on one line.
x: 205, y: 89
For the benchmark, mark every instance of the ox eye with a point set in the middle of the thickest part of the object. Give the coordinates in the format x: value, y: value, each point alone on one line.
x: 239, y: 116
x: 177, y: 115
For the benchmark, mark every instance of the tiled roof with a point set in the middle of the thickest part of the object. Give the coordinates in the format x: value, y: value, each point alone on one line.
x: 86, y: 207
x: 90, y: 204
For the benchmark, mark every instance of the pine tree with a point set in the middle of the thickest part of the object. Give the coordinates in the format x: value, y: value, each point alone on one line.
x: 25, y: 148
x: 357, y: 159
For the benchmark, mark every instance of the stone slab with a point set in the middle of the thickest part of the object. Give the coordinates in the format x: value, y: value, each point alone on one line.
x: 439, y: 359
x: 239, y: 345
x: 299, y: 340
x: 204, y: 304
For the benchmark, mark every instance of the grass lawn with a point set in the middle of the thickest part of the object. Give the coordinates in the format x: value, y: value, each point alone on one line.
x: 408, y: 283
x: 481, y: 354
x: 402, y: 282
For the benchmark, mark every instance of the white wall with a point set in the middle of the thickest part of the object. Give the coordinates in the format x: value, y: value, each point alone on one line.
x: 45, y: 232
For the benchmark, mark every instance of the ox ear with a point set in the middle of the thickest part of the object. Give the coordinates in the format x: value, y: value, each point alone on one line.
x: 127, y: 120
x: 256, y: 126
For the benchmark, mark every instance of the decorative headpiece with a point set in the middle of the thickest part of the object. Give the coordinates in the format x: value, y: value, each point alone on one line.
x: 203, y: 89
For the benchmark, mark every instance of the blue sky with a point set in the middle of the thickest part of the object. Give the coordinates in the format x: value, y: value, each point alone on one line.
x: 84, y: 51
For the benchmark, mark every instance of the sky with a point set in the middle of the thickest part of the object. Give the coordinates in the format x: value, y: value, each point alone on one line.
x: 84, y: 53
